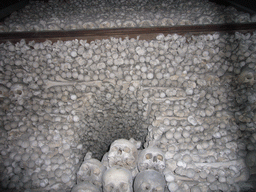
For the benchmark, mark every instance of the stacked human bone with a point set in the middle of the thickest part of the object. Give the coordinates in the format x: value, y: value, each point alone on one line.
x: 120, y: 166
x: 80, y: 14
x: 191, y: 96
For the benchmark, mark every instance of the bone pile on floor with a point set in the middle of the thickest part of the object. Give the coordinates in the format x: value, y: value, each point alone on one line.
x: 80, y: 14
x: 190, y: 101
x: 120, y: 166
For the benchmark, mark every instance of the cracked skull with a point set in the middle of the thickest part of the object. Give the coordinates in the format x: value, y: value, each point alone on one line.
x: 149, y: 181
x: 85, y: 187
x: 123, y: 153
x: 17, y: 93
x: 91, y: 170
x: 151, y: 158
x: 117, y: 179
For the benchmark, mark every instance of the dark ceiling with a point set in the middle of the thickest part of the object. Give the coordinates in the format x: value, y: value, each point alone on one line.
x: 248, y: 6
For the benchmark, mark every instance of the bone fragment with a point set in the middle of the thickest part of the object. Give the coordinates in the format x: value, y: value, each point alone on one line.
x: 63, y: 82
x: 125, y: 86
x: 111, y: 81
x: 160, y: 119
x: 168, y: 173
x: 145, y: 88
x: 136, y: 83
x: 49, y: 84
x: 91, y: 83
x: 180, y: 178
x: 57, y: 115
x: 239, y: 162
x: 161, y: 100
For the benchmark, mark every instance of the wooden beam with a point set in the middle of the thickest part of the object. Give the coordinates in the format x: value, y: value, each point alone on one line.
x: 143, y: 33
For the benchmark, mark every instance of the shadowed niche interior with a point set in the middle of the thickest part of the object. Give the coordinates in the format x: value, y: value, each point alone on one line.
x: 112, y: 116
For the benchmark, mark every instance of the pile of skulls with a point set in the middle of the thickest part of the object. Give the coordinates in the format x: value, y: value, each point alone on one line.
x: 123, y: 168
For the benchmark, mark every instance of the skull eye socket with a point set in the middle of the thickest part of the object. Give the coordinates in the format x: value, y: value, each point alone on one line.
x: 97, y: 183
x: 19, y: 92
x: 127, y: 150
x: 249, y: 76
x: 145, y: 186
x: 85, y: 167
x: 124, y: 186
x: 160, y: 157
x: 109, y: 187
x: 149, y: 156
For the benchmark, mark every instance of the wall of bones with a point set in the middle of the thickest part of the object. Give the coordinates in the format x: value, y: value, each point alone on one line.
x: 176, y: 113
x: 192, y: 98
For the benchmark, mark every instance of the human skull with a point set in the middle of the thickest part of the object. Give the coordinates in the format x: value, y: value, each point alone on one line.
x: 117, y: 179
x: 85, y: 187
x: 91, y: 170
x: 17, y: 93
x: 89, y: 25
x: 151, y: 158
x: 123, y: 153
x: 4, y: 91
x: 247, y: 76
x: 129, y: 24
x: 149, y: 181
x: 107, y: 24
